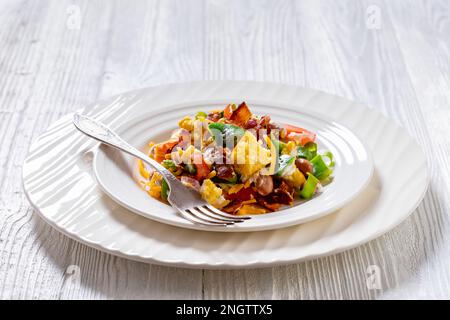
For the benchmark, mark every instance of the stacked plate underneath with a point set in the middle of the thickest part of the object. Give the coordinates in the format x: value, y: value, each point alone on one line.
x: 380, y: 178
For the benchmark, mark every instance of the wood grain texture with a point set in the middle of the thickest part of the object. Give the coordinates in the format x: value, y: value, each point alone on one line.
x: 398, y: 64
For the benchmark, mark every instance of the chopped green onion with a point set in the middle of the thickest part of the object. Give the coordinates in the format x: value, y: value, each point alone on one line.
x: 320, y: 169
x: 223, y: 132
x: 200, y: 114
x: 329, y: 155
x: 169, y: 164
x: 232, y: 180
x: 164, y: 189
x: 284, y: 162
x: 309, y: 187
x: 191, y: 168
x: 308, y: 151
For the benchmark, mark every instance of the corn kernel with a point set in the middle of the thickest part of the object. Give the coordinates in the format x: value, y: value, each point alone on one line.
x: 212, y: 174
x: 186, y: 123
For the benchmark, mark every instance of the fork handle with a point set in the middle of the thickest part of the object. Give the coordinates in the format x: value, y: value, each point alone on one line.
x: 97, y: 130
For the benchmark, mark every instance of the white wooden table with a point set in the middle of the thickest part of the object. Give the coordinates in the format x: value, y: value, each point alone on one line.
x: 57, y: 56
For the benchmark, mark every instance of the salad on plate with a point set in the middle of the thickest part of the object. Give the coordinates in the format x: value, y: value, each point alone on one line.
x: 240, y: 162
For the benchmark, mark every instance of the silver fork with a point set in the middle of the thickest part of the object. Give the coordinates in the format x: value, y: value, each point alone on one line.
x: 186, y: 200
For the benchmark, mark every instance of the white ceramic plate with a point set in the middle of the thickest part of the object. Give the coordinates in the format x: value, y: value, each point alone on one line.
x: 116, y: 171
x: 59, y: 182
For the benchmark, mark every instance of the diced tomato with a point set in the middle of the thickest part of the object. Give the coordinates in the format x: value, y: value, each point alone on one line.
x: 228, y: 112
x: 270, y: 206
x: 299, y: 135
x: 202, y: 169
x: 289, y: 128
x: 301, y: 138
x: 163, y: 148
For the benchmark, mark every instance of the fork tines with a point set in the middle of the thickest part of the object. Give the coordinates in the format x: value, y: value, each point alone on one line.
x: 207, y: 214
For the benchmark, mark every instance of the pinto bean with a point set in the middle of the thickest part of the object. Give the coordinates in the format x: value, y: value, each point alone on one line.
x: 251, y: 123
x: 264, y: 185
x: 224, y: 171
x: 303, y: 165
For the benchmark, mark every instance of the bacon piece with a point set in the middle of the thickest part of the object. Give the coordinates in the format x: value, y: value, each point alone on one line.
x: 270, y: 206
x: 282, y: 195
x: 233, y: 207
x: 241, y: 115
x: 264, y: 121
x: 214, y: 116
x: 228, y: 111
x: 242, y: 195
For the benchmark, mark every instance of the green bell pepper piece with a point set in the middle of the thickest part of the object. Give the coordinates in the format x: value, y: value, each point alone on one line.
x: 320, y: 169
x: 309, y: 187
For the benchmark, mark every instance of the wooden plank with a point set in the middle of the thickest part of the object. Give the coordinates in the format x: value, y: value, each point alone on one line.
x: 343, y: 56
x: 47, y: 71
